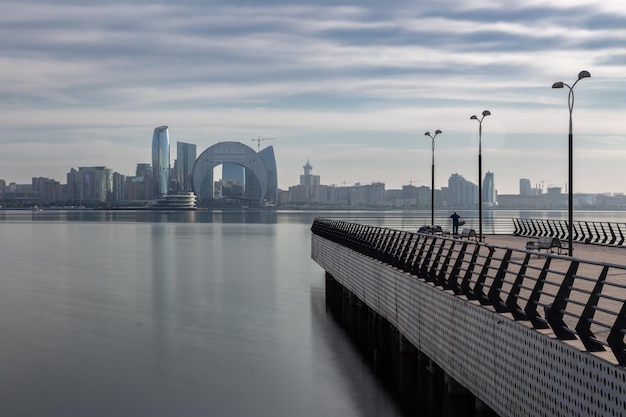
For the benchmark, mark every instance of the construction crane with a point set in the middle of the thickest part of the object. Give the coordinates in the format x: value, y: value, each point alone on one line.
x: 258, y: 142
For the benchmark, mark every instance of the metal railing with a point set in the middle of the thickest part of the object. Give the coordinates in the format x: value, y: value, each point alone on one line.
x: 600, y: 233
x: 576, y: 299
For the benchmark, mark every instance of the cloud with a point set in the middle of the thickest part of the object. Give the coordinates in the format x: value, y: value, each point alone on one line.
x: 369, y: 75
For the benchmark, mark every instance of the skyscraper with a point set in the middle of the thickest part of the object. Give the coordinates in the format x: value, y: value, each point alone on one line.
x: 94, y: 183
x: 233, y: 180
x: 185, y: 158
x: 524, y: 186
x: 489, y: 190
x: 160, y: 161
x: 267, y: 155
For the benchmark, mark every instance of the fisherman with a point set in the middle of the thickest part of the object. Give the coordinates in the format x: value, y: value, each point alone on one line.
x: 455, y: 223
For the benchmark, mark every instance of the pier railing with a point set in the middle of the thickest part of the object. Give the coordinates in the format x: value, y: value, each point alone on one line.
x: 601, y: 233
x: 580, y: 301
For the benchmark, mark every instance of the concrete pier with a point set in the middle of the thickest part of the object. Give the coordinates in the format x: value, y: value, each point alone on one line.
x: 512, y: 332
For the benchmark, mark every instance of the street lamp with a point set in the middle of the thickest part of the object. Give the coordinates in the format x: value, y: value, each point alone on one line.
x: 432, y: 176
x: 570, y: 202
x: 480, y: 172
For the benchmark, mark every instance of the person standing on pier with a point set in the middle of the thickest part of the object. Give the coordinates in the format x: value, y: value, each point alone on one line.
x: 455, y: 223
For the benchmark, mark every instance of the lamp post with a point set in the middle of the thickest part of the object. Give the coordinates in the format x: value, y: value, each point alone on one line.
x: 570, y: 188
x: 480, y: 172
x: 432, y: 176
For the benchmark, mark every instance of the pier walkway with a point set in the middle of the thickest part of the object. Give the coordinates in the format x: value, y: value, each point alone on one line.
x: 526, y: 332
x: 593, y: 252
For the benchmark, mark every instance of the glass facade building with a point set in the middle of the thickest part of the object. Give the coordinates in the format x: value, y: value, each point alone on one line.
x: 185, y: 158
x: 160, y: 161
x: 489, y: 190
x: 233, y: 180
x: 259, y: 171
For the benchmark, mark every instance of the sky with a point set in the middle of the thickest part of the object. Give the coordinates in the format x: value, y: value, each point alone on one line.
x: 351, y: 86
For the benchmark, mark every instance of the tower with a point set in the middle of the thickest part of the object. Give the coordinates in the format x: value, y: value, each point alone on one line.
x: 185, y: 158
x: 160, y: 161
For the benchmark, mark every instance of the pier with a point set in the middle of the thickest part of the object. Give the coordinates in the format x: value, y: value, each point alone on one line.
x: 521, y: 332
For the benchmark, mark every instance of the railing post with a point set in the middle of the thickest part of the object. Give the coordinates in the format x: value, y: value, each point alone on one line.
x: 453, y: 282
x: 496, y: 286
x: 415, y: 268
x: 465, y: 284
x: 480, y: 282
x: 583, y: 327
x: 533, y: 301
x: 554, y: 313
x: 441, y: 277
x: 424, y: 268
x: 616, y: 336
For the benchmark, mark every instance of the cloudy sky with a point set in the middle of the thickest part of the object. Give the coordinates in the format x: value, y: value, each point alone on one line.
x: 350, y: 85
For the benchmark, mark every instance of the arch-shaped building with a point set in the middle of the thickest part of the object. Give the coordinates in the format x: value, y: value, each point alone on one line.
x: 261, y: 166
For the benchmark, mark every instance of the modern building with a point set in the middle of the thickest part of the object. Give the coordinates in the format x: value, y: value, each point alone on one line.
x: 233, y: 181
x: 524, y: 186
x: 259, y: 171
x: 185, y: 158
x: 181, y: 201
x: 268, y: 158
x: 94, y: 183
x: 309, y: 182
x: 461, y: 192
x: 160, y: 161
x: 489, y: 191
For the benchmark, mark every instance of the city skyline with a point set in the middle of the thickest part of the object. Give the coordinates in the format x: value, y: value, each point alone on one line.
x: 350, y: 85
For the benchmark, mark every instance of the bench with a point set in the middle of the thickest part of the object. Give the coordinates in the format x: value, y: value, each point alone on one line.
x: 468, y: 234
x: 548, y: 243
x: 433, y: 230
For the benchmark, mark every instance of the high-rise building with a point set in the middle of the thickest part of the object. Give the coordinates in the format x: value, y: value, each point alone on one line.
x: 524, y: 186
x: 160, y: 161
x: 489, y: 190
x: 94, y: 183
x: 233, y: 180
x: 72, y: 185
x: 119, y: 187
x: 267, y: 155
x: 309, y: 181
x: 185, y: 158
x: 461, y: 192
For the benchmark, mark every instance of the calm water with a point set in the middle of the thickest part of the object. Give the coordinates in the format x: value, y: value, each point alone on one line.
x: 180, y: 314
x: 176, y: 314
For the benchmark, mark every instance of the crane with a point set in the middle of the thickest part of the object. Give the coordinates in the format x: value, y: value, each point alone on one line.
x: 258, y: 142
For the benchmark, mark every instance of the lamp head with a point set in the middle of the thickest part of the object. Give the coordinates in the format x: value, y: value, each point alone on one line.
x: 558, y: 84
x: 583, y: 74
x: 486, y: 113
x: 438, y: 132
x: 474, y: 117
x: 427, y: 134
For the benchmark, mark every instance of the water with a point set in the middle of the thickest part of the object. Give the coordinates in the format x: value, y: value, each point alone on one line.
x: 172, y: 314
x: 179, y: 314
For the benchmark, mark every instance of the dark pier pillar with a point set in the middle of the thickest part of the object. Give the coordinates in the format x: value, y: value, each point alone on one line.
x: 419, y: 385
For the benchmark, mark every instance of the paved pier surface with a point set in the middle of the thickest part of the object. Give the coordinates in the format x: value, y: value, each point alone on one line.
x: 598, y: 253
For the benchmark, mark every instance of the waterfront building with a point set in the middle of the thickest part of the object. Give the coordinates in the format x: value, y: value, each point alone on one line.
x: 160, y: 161
x: 185, y: 158
x: 461, y: 192
x: 119, y: 187
x: 268, y: 158
x: 72, y: 185
x: 489, y: 191
x: 259, y: 171
x: 308, y: 181
x: 233, y: 181
x: 94, y: 183
x: 47, y: 189
x: 524, y: 186
x: 181, y: 201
